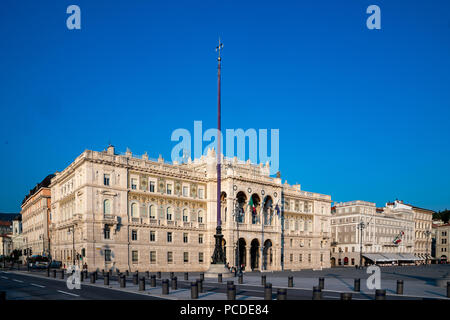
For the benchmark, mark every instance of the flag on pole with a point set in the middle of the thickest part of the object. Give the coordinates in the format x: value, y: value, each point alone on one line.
x: 277, y: 209
x: 398, y: 238
x: 252, y: 205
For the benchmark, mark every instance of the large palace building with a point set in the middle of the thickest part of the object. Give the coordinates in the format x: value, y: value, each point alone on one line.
x: 133, y: 213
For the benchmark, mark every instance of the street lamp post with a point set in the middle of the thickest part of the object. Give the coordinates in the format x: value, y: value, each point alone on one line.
x: 427, y: 234
x: 73, y: 243
x: 361, y: 227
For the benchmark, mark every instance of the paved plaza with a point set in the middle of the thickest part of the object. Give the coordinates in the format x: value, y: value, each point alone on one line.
x: 420, y: 282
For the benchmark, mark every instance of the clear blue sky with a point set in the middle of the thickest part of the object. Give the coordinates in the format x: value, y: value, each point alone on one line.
x: 362, y: 114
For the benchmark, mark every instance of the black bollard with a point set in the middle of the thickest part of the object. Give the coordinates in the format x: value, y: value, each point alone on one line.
x: 174, y: 283
x: 317, y: 293
x: 48, y: 272
x: 165, y: 286
x: 186, y: 276
x: 219, y: 278
x: 135, y: 278
x: 123, y: 281
x: 158, y: 274
x: 241, y: 279
x: 231, y: 292
x: 230, y: 283
x: 194, y: 290
x: 357, y: 285
x: 106, y: 280
x: 321, y: 283
x: 81, y: 276
x: 142, y: 284
x: 263, y: 280
x: 95, y: 275
x: 290, y: 281
x: 268, y: 291
x: 380, y: 294
x: 127, y: 273
x: 281, y: 294
x: 399, y: 286
x: 346, y: 296
x: 61, y: 275
x: 103, y: 272
x: 54, y: 273
x: 200, y: 285
x: 153, y: 281
x: 202, y: 276
x: 92, y: 277
x: 448, y: 289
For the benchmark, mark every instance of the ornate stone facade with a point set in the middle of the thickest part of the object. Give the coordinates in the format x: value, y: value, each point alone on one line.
x: 35, y: 211
x: 381, y: 227
x: 134, y: 213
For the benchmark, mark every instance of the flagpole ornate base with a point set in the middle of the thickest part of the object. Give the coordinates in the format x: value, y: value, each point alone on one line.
x: 218, y: 258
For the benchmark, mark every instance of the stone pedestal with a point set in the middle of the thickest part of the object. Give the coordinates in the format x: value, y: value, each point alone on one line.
x: 215, y: 269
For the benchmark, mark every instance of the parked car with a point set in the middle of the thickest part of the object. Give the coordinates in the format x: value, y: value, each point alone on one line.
x: 55, y: 264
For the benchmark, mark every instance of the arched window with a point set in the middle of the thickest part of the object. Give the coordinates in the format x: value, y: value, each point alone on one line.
x: 169, y: 215
x: 185, y: 215
x: 200, y: 216
x: 134, y: 210
x: 106, y: 207
x: 152, y: 211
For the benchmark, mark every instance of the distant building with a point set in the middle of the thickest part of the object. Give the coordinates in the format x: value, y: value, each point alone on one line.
x: 35, y: 219
x: 17, y: 234
x: 442, y: 242
x: 387, y: 236
x: 5, y: 245
x: 5, y: 227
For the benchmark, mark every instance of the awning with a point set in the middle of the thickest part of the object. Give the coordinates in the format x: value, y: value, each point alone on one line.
x: 409, y: 257
x: 391, y: 257
x: 375, y: 257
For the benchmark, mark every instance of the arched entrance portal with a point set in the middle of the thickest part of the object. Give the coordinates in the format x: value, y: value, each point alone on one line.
x: 241, y: 255
x: 333, y: 261
x: 254, y: 254
x: 268, y: 255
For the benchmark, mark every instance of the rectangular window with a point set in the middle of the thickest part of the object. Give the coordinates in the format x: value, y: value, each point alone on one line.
x: 152, y: 257
x: 185, y: 257
x: 152, y: 186
x: 169, y: 188
x: 200, y: 238
x: 185, y: 191
x: 106, y: 179
x: 300, y: 257
x: 169, y: 257
x: 133, y: 183
x: 169, y: 236
x: 291, y: 258
x: 134, y: 256
x: 201, y: 193
x: 107, y: 232
x: 107, y: 255
x: 152, y: 236
x: 185, y: 238
x: 200, y: 257
x: 309, y: 257
x: 134, y: 235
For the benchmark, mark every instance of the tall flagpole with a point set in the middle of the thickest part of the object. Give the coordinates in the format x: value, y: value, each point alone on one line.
x: 218, y: 255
